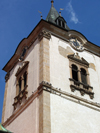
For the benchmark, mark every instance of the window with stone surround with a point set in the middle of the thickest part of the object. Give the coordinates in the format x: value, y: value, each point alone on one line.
x: 79, y: 76
x: 21, y: 84
x: 83, y: 76
x: 74, y: 72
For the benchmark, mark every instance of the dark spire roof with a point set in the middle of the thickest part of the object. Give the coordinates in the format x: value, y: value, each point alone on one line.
x: 53, y: 15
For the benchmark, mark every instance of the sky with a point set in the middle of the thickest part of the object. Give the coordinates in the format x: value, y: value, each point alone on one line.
x: 19, y: 17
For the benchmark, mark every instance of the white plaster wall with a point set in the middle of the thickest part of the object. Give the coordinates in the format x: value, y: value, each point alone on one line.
x: 33, y: 69
x: 26, y: 122
x: 70, y: 117
x: 60, y: 72
x: 33, y: 78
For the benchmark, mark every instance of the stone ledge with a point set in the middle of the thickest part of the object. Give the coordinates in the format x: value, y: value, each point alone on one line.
x: 48, y: 87
x: 45, y: 86
x: 83, y: 88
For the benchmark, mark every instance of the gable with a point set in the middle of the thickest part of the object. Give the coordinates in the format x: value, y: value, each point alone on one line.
x: 76, y: 58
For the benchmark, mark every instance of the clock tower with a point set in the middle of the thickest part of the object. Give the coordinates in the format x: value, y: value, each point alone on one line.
x: 53, y: 81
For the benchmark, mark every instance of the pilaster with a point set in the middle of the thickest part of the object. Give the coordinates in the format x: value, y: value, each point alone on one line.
x: 44, y: 70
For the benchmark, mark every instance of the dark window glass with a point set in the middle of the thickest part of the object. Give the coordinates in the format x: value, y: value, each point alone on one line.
x: 63, y: 25
x: 25, y: 79
x: 75, y: 72
x: 83, y: 76
x: 59, y: 22
x: 20, y: 82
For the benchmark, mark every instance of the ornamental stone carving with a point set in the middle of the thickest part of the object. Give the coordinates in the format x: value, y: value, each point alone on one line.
x: 82, y: 88
x: 24, y: 64
x: 7, y: 77
x: 78, y: 59
x: 22, y: 95
x: 45, y: 34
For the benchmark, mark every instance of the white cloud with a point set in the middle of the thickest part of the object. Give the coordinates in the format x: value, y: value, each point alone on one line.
x: 70, y: 9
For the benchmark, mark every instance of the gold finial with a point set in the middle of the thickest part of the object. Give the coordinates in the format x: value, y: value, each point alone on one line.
x: 52, y: 2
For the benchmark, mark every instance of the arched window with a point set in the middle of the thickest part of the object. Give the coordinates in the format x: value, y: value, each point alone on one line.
x: 83, y: 76
x: 25, y: 79
x: 20, y: 82
x: 75, y: 72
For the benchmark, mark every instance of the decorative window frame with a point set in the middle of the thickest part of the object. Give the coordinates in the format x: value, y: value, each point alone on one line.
x: 20, y: 96
x: 78, y: 85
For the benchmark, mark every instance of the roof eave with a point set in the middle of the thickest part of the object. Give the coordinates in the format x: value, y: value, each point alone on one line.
x: 42, y: 23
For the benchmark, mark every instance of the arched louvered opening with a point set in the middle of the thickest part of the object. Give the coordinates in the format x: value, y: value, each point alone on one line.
x: 74, y: 72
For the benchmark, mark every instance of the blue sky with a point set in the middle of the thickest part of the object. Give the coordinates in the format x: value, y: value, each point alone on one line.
x: 19, y: 17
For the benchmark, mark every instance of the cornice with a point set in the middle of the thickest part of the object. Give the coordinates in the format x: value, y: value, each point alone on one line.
x: 48, y: 87
x: 54, y: 30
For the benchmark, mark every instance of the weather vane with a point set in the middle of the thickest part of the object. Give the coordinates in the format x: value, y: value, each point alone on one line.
x: 40, y: 13
x: 61, y: 10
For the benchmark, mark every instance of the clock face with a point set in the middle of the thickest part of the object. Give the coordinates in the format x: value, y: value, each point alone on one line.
x: 76, y: 44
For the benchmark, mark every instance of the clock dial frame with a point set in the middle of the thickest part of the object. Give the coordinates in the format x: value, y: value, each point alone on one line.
x: 75, y: 43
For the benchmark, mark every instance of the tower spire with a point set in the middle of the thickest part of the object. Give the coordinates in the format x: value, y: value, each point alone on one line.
x: 52, y: 2
x: 56, y: 18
